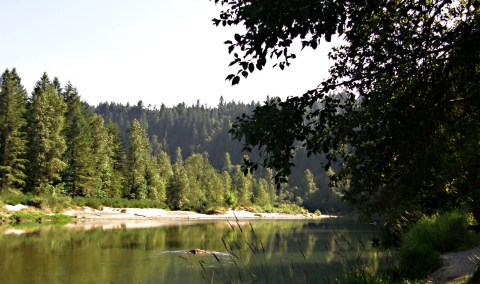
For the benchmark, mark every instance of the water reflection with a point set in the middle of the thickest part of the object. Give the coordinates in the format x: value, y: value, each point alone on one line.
x: 303, y: 251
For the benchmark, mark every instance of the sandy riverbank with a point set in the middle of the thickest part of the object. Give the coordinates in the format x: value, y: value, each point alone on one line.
x: 108, y: 213
x: 87, y: 218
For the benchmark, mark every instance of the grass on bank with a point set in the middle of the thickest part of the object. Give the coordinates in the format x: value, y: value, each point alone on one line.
x: 31, y: 215
x: 39, y: 217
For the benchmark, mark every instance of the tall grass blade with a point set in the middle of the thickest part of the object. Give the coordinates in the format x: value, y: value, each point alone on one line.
x: 216, y: 257
x: 263, y: 248
x: 231, y: 226
x: 213, y: 276
x: 301, y: 250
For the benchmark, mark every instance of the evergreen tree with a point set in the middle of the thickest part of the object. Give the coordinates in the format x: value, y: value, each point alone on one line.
x: 177, y: 190
x: 117, y: 162
x: 261, y: 196
x: 229, y: 197
x: 46, y: 144
x: 103, y: 157
x: 194, y: 167
x: 178, y: 156
x: 13, y: 101
x: 156, y: 186
x: 227, y: 163
x: 212, y: 182
x: 242, y: 186
x: 137, y: 159
x: 156, y: 145
x: 310, y: 192
x: 164, y: 167
x: 309, y: 184
x: 80, y: 169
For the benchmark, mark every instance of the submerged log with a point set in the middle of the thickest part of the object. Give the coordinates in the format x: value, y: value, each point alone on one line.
x: 198, y: 251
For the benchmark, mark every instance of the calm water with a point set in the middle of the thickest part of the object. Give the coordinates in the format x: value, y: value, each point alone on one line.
x: 277, y: 251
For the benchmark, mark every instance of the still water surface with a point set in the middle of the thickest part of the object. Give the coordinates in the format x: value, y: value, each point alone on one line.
x: 278, y: 251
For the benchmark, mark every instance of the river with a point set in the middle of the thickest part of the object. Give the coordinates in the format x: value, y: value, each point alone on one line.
x: 276, y: 251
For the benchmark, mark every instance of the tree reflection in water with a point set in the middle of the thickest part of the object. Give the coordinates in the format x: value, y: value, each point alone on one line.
x: 264, y: 251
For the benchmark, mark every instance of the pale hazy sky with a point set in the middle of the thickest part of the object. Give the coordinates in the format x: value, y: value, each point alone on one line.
x: 157, y: 51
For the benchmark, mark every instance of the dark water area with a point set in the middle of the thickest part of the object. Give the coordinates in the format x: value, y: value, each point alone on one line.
x: 277, y: 251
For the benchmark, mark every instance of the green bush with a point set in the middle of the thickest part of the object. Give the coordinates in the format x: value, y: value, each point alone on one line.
x: 444, y: 232
x: 417, y: 259
x: 231, y: 199
x: 286, y: 208
x: 422, y: 244
x: 14, y: 199
x: 49, y: 202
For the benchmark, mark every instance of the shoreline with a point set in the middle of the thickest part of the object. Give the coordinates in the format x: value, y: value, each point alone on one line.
x: 109, y: 218
x: 109, y: 213
x: 135, y: 218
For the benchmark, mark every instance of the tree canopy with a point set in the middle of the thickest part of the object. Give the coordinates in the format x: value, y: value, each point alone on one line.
x: 398, y: 115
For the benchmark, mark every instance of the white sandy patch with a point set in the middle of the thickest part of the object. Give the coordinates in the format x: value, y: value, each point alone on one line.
x: 17, y: 207
x: 108, y: 213
x: 13, y: 231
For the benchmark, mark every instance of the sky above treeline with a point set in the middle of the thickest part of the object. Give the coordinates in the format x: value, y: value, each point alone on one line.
x: 157, y: 51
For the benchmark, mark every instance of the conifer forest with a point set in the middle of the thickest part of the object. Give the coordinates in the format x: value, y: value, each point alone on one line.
x: 53, y: 143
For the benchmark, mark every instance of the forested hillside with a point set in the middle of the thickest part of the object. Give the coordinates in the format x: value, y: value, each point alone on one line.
x: 54, y: 143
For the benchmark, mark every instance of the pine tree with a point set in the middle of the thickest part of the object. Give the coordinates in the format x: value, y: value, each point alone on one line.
x: 229, y: 196
x: 215, y: 193
x: 311, y: 196
x: 13, y: 101
x: 178, y: 157
x: 196, y: 191
x: 103, y: 157
x: 80, y: 170
x: 164, y: 167
x: 117, y: 162
x: 261, y: 196
x: 309, y: 184
x: 137, y: 159
x: 227, y: 163
x: 242, y: 186
x: 156, y: 186
x: 46, y: 144
x: 177, y: 188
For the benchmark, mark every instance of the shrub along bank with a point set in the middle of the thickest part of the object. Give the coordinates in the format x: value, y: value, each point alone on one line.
x: 422, y: 244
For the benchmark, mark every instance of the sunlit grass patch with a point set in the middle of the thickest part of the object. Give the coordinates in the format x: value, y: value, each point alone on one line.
x: 39, y: 217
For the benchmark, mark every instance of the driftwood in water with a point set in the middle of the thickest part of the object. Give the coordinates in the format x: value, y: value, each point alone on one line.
x: 198, y: 251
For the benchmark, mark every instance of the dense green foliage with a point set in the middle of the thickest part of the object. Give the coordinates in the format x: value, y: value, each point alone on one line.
x: 13, y: 102
x: 46, y: 144
x: 79, y: 175
x: 431, y: 236
x: 399, y: 115
x: 61, y: 147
